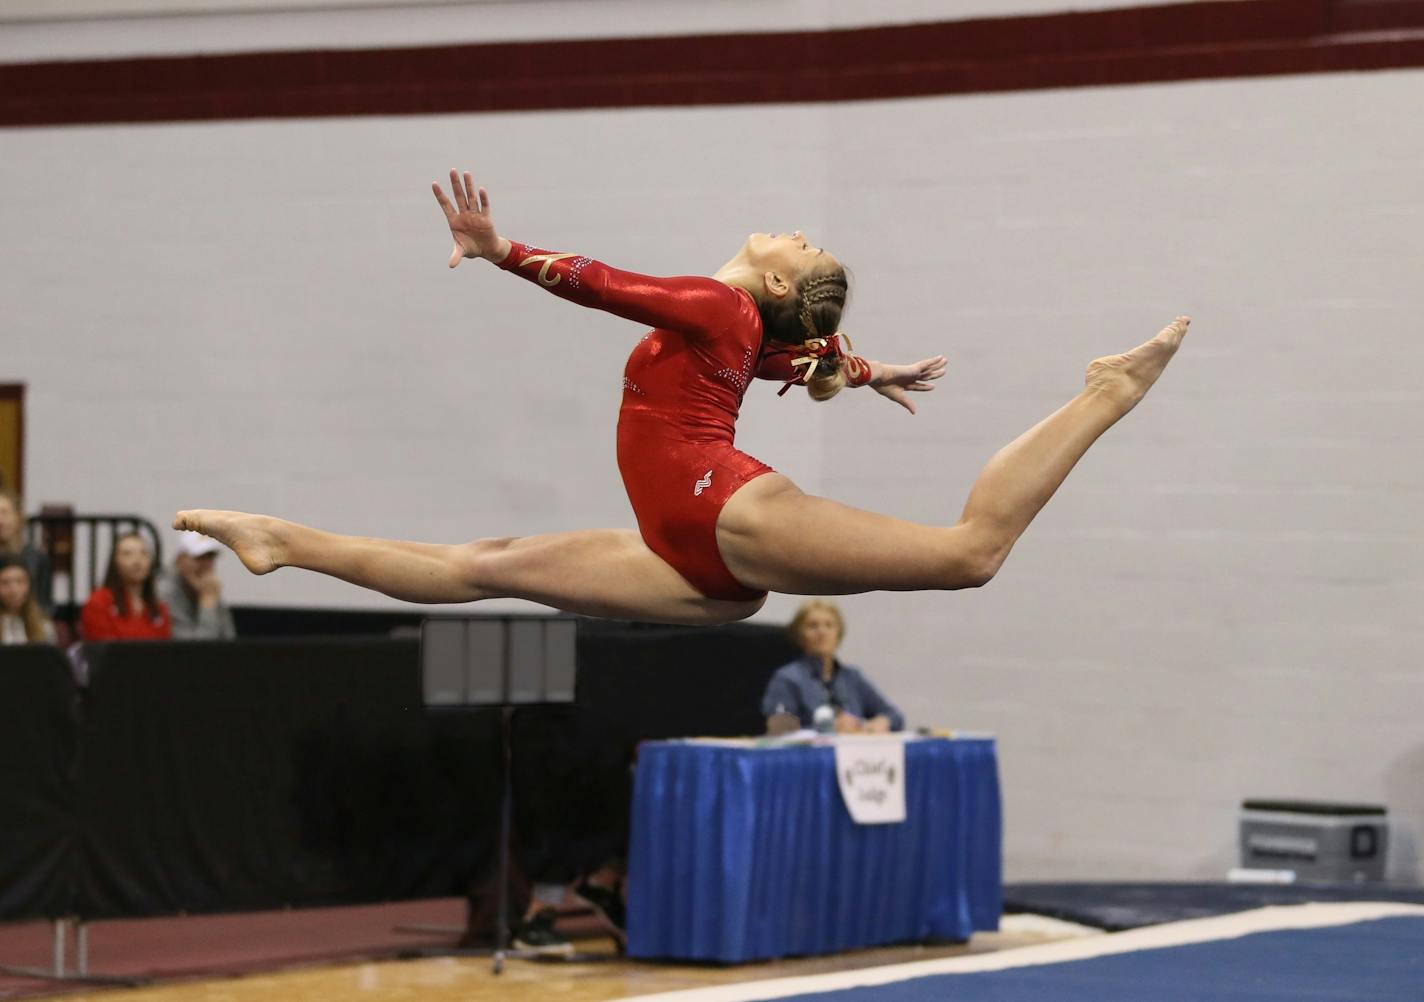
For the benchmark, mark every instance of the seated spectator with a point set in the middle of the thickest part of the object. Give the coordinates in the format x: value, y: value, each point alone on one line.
x: 193, y: 592
x: 818, y: 680
x: 601, y: 890
x: 127, y: 607
x: 12, y: 542
x: 21, y: 621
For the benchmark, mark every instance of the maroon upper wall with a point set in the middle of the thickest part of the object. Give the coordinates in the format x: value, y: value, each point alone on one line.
x: 1191, y: 41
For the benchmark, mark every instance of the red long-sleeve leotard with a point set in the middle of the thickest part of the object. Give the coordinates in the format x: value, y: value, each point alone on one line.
x: 682, y: 389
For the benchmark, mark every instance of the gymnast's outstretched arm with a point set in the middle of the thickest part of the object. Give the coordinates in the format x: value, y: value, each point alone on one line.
x: 894, y: 382
x: 700, y: 307
x: 897, y: 382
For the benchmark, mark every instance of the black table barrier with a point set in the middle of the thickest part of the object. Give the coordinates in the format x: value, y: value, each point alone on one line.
x: 213, y: 777
x: 232, y: 777
x: 39, y: 731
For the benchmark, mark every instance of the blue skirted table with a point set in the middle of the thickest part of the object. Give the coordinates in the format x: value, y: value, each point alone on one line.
x: 746, y: 853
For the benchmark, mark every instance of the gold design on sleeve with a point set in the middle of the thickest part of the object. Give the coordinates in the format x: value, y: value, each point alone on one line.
x: 547, y: 260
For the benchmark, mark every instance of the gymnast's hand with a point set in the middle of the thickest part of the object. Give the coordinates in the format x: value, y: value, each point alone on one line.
x: 897, y: 382
x: 470, y: 221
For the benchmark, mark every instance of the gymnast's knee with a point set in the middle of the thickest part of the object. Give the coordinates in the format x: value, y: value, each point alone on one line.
x: 735, y: 612
x: 481, y: 566
x: 975, y: 556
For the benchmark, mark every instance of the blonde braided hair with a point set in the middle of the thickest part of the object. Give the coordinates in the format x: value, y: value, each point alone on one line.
x: 819, y: 290
x: 812, y: 310
x: 828, y: 377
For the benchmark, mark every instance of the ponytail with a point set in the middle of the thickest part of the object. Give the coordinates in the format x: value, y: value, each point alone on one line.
x: 813, y: 310
x: 822, y: 386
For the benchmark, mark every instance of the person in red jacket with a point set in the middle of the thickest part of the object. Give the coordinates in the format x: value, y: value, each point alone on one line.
x: 127, y: 607
x: 717, y: 529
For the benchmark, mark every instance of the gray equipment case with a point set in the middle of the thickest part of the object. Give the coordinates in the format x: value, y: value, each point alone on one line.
x: 1320, y: 842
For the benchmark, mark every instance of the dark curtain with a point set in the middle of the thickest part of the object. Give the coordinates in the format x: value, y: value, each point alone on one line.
x: 228, y: 777
x: 38, y: 739
x: 206, y: 777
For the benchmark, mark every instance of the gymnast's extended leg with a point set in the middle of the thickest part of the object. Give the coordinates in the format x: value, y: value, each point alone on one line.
x: 594, y: 572
x: 773, y: 536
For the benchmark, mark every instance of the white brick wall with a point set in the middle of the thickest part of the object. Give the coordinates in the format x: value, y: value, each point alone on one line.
x: 95, y: 29
x: 1221, y: 603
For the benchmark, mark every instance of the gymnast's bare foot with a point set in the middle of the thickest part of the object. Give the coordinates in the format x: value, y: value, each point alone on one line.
x: 256, y: 539
x: 1125, y: 379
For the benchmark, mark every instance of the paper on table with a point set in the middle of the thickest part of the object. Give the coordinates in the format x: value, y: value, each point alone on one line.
x: 871, y: 773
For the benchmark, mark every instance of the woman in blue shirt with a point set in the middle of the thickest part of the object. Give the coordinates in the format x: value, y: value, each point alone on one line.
x: 817, y: 679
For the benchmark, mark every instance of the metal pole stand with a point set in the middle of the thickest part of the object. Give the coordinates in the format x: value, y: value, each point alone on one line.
x: 505, y: 662
x: 506, y: 830
x: 57, y: 970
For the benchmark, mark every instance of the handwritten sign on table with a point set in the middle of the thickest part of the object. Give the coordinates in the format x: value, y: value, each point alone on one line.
x: 872, y: 779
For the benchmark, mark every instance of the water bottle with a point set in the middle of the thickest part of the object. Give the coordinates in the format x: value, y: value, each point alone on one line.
x: 824, y: 719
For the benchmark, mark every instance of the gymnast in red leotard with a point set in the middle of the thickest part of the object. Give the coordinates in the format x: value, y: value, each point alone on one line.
x: 682, y: 389
x: 717, y: 529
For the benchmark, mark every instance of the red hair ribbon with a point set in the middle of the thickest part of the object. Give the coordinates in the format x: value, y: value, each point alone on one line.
x: 815, y: 349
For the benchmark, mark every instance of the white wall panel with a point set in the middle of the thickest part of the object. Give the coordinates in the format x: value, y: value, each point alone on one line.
x: 97, y: 29
x: 1222, y: 601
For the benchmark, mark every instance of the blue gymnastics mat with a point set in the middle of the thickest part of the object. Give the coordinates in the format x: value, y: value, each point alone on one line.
x: 1120, y: 906
x: 1377, y: 961
x: 1291, y: 954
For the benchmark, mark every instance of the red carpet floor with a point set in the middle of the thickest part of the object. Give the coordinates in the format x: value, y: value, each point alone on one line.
x: 230, y: 944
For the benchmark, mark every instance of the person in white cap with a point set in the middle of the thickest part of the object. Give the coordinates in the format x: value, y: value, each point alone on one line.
x: 194, y: 593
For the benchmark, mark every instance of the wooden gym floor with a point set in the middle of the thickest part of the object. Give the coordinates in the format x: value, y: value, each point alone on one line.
x: 471, y: 980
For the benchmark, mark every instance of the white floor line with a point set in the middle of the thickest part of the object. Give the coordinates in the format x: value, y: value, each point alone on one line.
x: 1046, y: 925
x: 1272, y: 919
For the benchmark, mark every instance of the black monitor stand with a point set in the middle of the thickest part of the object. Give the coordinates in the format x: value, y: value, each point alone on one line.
x: 507, y: 662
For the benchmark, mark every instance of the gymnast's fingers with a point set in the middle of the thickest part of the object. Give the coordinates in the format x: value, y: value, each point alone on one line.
x: 450, y: 212
x: 484, y: 201
x: 457, y: 186
x: 471, y: 195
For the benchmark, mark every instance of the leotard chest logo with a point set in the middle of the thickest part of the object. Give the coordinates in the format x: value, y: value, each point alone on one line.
x: 702, y: 484
x: 547, y: 260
